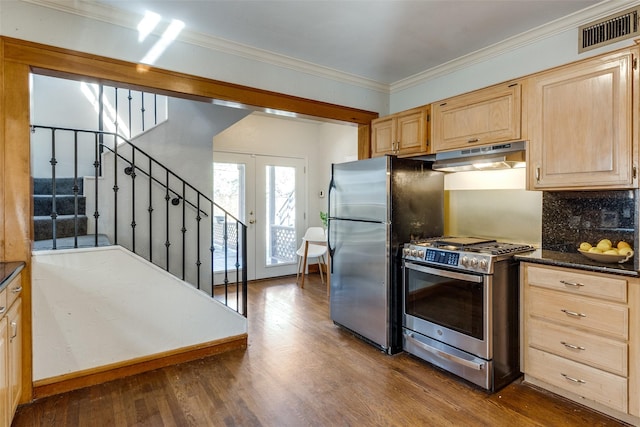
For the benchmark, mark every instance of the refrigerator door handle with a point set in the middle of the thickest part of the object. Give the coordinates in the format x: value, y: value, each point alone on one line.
x: 329, y: 247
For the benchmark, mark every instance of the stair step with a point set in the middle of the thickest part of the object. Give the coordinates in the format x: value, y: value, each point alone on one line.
x: 65, y: 205
x: 65, y: 226
x: 63, y: 186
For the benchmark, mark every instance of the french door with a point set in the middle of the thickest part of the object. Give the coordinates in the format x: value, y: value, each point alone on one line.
x: 267, y: 194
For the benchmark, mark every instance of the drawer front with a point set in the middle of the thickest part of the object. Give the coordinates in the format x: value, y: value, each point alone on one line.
x: 605, y: 287
x: 586, y: 313
x: 599, y: 352
x: 585, y: 381
x: 14, y: 288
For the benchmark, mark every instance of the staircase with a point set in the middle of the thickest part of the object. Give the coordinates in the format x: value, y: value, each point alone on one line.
x: 66, y: 220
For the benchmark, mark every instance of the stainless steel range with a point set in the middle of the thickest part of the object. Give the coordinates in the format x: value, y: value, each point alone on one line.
x: 461, y: 305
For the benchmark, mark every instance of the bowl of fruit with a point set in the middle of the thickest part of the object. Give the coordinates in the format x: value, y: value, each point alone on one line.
x: 605, y: 251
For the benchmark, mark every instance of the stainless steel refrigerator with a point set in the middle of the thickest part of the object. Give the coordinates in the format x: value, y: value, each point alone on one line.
x: 375, y: 206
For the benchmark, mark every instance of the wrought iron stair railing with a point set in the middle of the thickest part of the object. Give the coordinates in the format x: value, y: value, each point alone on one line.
x: 133, y: 214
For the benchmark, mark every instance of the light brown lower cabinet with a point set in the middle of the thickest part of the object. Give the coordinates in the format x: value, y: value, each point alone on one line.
x: 581, y: 337
x: 14, y: 362
x: 10, y: 350
x: 5, y: 417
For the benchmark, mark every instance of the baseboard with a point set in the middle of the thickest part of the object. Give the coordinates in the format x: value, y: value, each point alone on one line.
x: 103, y: 374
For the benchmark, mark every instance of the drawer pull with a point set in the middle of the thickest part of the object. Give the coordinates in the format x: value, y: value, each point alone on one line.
x: 571, y: 346
x: 575, y: 380
x: 577, y: 285
x: 573, y: 313
x: 473, y: 140
x: 16, y: 290
x: 3, y: 309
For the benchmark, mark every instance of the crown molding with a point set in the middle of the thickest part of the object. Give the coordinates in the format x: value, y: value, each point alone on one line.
x: 542, y: 32
x: 111, y: 15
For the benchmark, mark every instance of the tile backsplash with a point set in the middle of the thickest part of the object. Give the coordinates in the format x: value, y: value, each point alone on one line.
x: 572, y: 217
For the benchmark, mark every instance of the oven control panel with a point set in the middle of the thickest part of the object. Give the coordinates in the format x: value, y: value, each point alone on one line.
x: 470, y: 261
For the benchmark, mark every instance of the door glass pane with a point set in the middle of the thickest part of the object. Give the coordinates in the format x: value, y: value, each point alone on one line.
x: 228, y: 193
x: 280, y: 214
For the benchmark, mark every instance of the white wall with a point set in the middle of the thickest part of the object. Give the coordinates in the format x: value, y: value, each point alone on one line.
x: 73, y: 104
x: 96, y: 307
x: 183, y: 143
x: 493, y: 204
x: 319, y: 144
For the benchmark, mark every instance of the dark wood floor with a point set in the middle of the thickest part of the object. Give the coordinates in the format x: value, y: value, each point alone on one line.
x: 302, y: 370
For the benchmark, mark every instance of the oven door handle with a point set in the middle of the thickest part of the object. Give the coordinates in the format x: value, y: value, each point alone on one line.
x: 455, y: 359
x: 444, y: 273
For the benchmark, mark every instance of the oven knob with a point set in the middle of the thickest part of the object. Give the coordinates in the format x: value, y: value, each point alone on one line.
x: 406, y: 252
x: 464, y: 261
x: 421, y: 254
x: 414, y: 252
x: 474, y: 262
x: 483, y: 264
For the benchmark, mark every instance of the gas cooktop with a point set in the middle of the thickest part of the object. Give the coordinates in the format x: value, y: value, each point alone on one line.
x: 466, y: 253
x: 473, y: 244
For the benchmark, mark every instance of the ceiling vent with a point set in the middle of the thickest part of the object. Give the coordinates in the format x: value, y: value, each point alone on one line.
x: 614, y: 28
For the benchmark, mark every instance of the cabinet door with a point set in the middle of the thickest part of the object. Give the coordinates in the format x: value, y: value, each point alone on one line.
x: 5, y: 417
x: 383, y: 136
x: 580, y: 125
x: 411, y: 132
x: 14, y: 318
x: 483, y: 117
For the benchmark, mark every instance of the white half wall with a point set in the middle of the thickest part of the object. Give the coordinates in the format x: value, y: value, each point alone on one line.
x: 95, y: 307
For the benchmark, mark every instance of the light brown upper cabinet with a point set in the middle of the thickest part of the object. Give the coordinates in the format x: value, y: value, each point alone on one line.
x: 402, y: 134
x: 580, y: 124
x: 482, y: 117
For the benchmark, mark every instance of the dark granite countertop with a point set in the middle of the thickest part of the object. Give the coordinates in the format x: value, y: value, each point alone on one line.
x: 9, y: 270
x: 576, y: 260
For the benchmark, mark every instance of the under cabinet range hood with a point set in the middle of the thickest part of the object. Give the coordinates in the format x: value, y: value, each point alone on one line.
x: 492, y: 157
